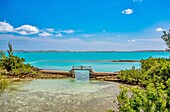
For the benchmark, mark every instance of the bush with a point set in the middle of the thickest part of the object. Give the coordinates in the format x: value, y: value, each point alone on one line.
x: 150, y: 62
x: 155, y: 75
x: 132, y: 76
x: 3, y: 83
x: 152, y: 70
x: 13, y: 63
x: 159, y: 73
x: 152, y: 99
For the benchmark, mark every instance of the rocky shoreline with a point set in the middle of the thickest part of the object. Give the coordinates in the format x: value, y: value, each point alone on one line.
x: 52, y: 74
x: 125, y: 60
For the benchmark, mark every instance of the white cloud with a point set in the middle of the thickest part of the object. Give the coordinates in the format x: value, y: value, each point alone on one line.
x: 27, y: 43
x: 50, y: 30
x: 6, y: 27
x: 127, y: 11
x: 68, y: 31
x: 58, y: 34
x: 160, y: 29
x: 88, y: 35
x: 137, y: 0
x: 132, y: 41
x: 44, y: 34
x: 27, y: 30
x: 150, y: 39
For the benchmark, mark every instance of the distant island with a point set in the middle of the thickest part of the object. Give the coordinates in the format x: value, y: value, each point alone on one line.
x: 167, y: 50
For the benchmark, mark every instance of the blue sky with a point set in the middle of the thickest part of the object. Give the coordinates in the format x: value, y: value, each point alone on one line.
x: 84, y: 24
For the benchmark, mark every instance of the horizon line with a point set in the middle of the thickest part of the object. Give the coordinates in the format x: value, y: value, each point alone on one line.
x: 166, y: 50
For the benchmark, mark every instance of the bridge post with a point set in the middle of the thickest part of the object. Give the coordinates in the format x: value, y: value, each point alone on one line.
x: 91, y: 73
x: 72, y: 73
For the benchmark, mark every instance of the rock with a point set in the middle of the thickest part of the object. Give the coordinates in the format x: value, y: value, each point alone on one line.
x: 16, y: 79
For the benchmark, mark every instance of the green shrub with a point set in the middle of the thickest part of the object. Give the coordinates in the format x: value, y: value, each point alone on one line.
x: 155, y: 75
x: 150, y: 62
x: 152, y: 70
x: 159, y: 73
x: 3, y: 83
x: 132, y: 76
x: 13, y: 63
x: 152, y: 99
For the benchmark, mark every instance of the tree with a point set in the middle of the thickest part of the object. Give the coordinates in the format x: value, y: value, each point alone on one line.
x: 166, y: 38
x: 10, y: 50
x: 11, y: 62
x: 2, y: 56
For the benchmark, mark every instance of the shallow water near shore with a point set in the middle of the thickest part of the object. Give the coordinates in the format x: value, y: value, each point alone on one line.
x: 60, y: 95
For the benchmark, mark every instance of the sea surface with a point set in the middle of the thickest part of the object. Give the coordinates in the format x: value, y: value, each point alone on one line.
x: 99, y: 61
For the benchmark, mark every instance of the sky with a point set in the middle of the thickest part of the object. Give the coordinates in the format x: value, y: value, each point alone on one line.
x: 83, y: 25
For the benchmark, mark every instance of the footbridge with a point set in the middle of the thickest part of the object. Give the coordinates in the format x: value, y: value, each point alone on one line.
x: 72, y: 71
x: 92, y: 73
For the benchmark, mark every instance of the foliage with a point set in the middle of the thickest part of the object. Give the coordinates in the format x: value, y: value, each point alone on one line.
x: 155, y: 75
x: 159, y: 73
x: 152, y: 99
x: 13, y: 63
x: 166, y: 38
x: 152, y: 70
x: 1, y: 55
x: 10, y: 50
x: 150, y: 62
x: 3, y: 83
x: 132, y: 76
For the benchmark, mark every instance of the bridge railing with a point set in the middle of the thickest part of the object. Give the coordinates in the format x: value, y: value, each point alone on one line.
x: 81, y: 67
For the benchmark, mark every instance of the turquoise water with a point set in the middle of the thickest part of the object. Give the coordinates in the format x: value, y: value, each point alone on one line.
x: 98, y: 60
x: 82, y: 76
x: 60, y: 95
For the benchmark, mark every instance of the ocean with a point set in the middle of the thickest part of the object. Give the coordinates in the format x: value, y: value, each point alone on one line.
x: 99, y: 61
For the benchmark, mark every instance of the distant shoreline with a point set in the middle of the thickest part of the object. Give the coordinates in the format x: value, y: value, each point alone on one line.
x: 89, y: 51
